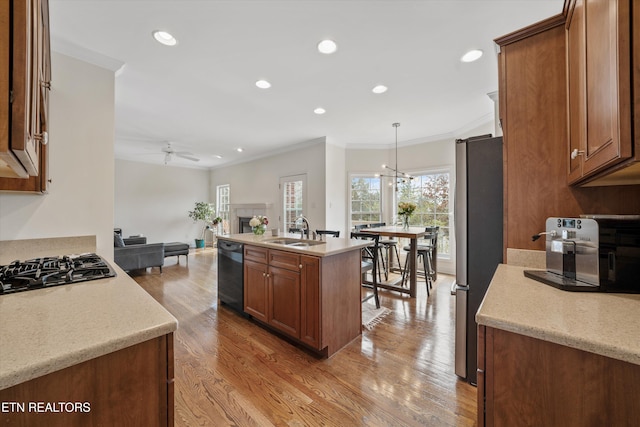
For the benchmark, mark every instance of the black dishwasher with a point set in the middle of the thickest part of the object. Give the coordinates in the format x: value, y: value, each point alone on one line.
x: 230, y: 274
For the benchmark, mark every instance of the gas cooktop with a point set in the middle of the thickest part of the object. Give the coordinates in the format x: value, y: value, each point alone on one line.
x: 45, y: 272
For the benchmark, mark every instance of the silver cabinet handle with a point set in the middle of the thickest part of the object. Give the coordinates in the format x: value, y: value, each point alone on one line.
x: 43, y: 137
x: 575, y: 153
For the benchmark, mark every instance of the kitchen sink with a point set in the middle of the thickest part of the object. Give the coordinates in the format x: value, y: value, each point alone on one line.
x: 298, y: 243
x: 303, y: 244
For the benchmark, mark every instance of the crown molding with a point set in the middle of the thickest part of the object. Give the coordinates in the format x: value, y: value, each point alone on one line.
x: 78, y: 52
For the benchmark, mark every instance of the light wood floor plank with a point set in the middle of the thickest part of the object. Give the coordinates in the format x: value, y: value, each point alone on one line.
x: 231, y: 371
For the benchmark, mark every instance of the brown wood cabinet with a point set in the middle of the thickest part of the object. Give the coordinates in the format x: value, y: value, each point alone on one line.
x: 132, y: 386
x: 533, y: 114
x: 599, y: 81
x: 313, y: 300
x: 25, y: 78
x: 274, y: 292
x: 527, y: 381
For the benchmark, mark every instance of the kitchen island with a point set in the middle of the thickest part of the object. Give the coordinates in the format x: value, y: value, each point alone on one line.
x: 92, y: 353
x: 552, y: 357
x: 308, y: 290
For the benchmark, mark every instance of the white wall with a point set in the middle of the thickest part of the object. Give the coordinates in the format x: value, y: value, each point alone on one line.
x: 155, y: 200
x: 257, y: 181
x: 336, y: 190
x: 80, y: 198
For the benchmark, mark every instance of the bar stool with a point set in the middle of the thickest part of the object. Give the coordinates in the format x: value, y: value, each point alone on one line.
x: 425, y: 251
x: 389, y: 246
x: 369, y: 263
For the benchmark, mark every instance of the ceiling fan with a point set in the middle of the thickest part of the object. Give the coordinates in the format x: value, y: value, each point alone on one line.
x: 170, y: 153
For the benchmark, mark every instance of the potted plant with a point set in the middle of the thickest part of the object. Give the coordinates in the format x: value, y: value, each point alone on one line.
x: 202, y: 212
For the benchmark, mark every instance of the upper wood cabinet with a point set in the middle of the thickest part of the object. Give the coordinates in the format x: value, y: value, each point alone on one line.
x: 600, y: 77
x: 25, y: 76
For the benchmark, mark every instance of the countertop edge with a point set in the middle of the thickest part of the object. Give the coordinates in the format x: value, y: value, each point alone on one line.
x: 561, y: 339
x: 492, y: 313
x: 263, y: 241
x: 48, y: 366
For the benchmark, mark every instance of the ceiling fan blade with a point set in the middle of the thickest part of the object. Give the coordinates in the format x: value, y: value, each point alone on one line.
x: 187, y: 156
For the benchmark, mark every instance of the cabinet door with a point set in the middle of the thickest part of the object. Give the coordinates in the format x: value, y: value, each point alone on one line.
x: 608, y: 83
x: 576, y: 89
x: 24, y: 84
x: 599, y: 66
x: 25, y: 56
x: 256, y: 297
x: 310, y: 302
x: 284, y: 300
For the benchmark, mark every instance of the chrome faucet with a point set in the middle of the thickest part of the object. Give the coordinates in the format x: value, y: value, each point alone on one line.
x: 306, y: 221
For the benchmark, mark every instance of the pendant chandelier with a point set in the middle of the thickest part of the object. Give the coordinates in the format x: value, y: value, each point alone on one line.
x: 398, y: 176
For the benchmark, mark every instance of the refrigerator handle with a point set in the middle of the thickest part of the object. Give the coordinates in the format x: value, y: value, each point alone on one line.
x: 461, y: 330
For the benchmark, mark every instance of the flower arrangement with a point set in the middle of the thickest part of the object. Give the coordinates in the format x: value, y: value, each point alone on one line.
x: 259, y: 224
x: 405, y: 210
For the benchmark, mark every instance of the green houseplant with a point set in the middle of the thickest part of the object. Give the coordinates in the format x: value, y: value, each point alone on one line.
x: 202, y: 212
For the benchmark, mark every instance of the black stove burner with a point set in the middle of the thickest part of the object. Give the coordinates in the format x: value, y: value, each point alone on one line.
x: 52, y: 271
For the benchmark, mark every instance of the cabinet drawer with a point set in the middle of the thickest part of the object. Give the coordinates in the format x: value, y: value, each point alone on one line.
x: 282, y: 259
x: 256, y: 253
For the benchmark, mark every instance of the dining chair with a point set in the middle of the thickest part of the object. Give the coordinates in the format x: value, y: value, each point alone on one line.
x: 299, y: 230
x: 328, y: 233
x: 369, y: 262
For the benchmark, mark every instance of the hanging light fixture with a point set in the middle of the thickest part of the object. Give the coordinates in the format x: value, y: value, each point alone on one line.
x: 399, y: 177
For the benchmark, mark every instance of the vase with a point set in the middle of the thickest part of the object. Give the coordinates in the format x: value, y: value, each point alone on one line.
x: 259, y: 230
x: 405, y: 222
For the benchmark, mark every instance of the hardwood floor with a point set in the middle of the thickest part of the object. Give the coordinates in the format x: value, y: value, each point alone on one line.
x: 230, y: 371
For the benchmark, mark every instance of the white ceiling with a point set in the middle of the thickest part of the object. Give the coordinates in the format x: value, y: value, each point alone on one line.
x: 201, y: 93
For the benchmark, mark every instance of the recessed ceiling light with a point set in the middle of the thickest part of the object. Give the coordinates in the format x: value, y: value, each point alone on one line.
x: 319, y: 110
x: 239, y: 150
x: 217, y: 156
x: 327, y: 47
x: 263, y: 84
x: 379, y: 89
x: 164, y: 38
x: 472, y: 55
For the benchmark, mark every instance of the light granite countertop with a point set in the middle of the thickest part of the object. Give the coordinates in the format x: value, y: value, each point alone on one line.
x: 329, y: 246
x: 601, y: 323
x: 50, y: 329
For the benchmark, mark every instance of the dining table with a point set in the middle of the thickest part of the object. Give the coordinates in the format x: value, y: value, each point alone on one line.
x: 412, y: 233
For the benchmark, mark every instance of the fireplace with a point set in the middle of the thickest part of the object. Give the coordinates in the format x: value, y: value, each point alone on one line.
x: 243, y: 224
x: 240, y: 214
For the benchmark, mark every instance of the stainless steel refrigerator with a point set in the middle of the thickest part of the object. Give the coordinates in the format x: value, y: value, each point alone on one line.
x: 478, y: 225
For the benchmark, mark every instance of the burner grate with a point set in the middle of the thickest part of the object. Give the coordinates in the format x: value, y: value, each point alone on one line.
x: 52, y: 271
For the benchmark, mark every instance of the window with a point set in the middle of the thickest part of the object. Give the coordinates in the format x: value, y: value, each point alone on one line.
x: 430, y: 193
x: 365, y: 199
x: 222, y: 201
x: 293, y: 193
